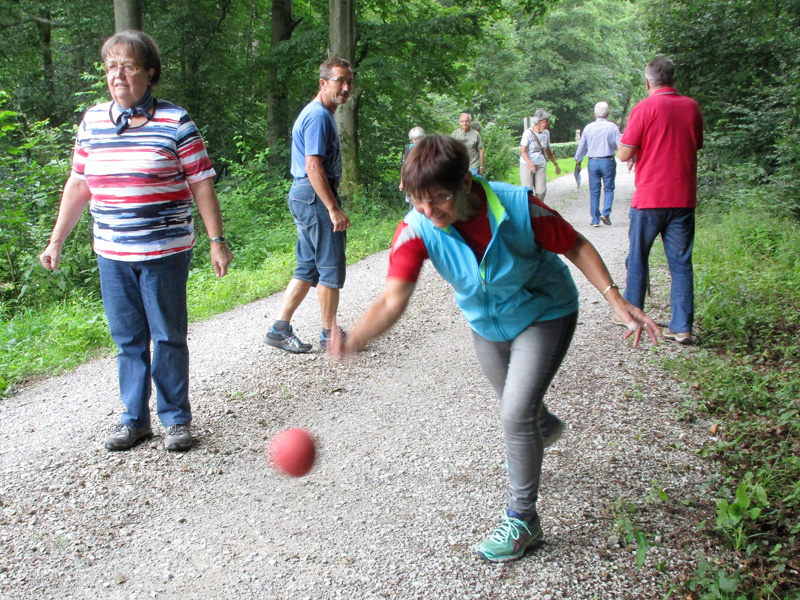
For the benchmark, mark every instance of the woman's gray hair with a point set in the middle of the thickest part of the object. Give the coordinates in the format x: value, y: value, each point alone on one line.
x: 141, y: 45
x: 416, y: 132
x: 541, y: 115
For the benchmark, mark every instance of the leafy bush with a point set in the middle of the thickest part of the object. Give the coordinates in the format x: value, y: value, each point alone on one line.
x: 501, y: 148
x: 564, y: 149
x: 34, y: 164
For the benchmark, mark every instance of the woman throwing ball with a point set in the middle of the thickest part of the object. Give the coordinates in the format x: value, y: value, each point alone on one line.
x: 498, y: 246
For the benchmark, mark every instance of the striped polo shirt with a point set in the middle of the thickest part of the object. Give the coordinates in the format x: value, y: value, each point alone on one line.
x: 139, y: 180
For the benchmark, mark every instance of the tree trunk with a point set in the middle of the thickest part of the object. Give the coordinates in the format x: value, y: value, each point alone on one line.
x: 278, y: 120
x: 43, y: 24
x: 128, y: 14
x: 342, y: 36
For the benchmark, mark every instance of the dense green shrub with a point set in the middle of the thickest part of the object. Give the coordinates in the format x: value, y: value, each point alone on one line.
x: 501, y: 148
x: 34, y: 164
x: 564, y: 149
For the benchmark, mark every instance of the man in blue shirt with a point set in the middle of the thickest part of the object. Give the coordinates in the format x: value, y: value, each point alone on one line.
x: 599, y: 140
x: 317, y: 210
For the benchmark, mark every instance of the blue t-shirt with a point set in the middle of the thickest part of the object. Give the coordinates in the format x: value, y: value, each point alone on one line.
x: 314, y: 134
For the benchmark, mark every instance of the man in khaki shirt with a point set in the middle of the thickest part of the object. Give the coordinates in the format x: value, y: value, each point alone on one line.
x: 472, y: 140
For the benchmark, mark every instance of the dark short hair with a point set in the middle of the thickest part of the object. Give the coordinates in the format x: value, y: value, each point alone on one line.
x: 435, y: 160
x: 660, y: 72
x: 142, y: 46
x: 326, y: 68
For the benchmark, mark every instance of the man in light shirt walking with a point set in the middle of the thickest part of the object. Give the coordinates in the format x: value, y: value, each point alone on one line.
x: 599, y: 140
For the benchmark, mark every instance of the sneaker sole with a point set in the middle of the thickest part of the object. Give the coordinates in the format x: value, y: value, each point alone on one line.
x: 137, y: 441
x: 177, y: 447
x: 533, y: 543
x: 279, y: 344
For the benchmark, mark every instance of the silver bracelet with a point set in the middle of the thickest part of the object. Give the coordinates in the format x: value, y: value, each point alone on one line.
x: 608, y: 289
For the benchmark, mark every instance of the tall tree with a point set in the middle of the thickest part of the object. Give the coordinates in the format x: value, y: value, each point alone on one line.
x: 128, y: 15
x: 343, y: 38
x: 283, y: 25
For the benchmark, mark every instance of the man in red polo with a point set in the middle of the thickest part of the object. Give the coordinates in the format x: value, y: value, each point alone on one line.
x: 664, y: 133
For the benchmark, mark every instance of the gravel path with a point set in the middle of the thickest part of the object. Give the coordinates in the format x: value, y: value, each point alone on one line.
x: 409, y: 478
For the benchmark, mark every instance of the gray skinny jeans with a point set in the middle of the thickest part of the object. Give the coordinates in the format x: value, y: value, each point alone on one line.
x: 520, y: 372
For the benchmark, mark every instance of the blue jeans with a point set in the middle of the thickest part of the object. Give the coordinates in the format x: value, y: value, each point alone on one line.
x: 146, y: 301
x: 601, y: 170
x: 676, y: 228
x: 475, y: 171
x: 520, y: 372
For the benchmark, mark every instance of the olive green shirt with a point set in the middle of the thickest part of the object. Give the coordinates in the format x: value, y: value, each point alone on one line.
x: 472, y: 140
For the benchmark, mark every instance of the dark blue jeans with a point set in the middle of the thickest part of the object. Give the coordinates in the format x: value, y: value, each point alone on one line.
x: 676, y: 228
x: 146, y: 301
x: 601, y: 171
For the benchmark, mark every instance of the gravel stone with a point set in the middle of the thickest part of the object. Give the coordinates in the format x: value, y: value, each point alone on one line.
x: 409, y: 477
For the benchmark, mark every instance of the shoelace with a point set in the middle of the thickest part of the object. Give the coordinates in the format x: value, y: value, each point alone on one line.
x: 509, y: 528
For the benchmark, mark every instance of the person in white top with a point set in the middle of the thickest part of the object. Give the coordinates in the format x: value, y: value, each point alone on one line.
x: 533, y: 153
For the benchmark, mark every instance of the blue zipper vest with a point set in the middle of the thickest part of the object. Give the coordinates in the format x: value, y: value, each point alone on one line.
x: 516, y: 284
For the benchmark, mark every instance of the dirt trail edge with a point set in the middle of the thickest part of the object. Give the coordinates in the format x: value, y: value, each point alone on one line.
x: 409, y: 478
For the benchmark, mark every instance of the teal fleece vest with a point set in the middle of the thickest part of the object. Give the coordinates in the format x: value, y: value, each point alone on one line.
x: 516, y: 284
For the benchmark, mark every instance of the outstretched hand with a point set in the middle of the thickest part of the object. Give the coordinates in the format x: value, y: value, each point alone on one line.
x: 336, y: 345
x: 636, y: 320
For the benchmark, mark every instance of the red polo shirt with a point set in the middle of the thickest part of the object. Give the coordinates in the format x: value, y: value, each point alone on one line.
x: 667, y: 130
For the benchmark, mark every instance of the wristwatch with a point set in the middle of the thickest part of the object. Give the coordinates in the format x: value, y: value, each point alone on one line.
x: 220, y: 239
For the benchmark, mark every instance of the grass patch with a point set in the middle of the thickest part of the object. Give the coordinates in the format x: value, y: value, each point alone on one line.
x: 747, y: 379
x: 565, y: 164
x: 43, y: 342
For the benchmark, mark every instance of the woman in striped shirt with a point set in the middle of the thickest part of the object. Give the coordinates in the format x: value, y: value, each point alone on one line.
x: 139, y: 162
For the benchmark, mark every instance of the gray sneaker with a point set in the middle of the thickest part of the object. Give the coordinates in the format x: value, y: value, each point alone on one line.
x: 606, y: 220
x: 177, y: 437
x: 123, y: 437
x: 286, y: 340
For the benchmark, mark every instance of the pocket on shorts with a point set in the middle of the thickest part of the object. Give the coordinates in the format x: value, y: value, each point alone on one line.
x: 301, y: 203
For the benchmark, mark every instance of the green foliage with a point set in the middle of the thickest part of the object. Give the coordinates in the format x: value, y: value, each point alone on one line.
x: 747, y: 376
x: 35, y: 342
x: 714, y: 583
x: 584, y: 52
x: 33, y: 167
x: 739, y: 60
x: 501, y: 150
x: 625, y: 523
x: 564, y: 149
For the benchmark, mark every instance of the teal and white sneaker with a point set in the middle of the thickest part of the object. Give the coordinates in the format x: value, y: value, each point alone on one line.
x: 511, y: 539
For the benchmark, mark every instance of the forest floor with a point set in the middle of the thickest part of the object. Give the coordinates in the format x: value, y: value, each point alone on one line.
x: 409, y: 477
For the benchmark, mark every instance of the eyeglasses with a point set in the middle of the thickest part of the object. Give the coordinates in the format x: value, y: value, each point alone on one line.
x: 341, y: 80
x: 432, y: 201
x: 126, y: 69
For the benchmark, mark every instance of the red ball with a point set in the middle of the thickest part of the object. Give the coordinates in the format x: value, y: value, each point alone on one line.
x: 292, y: 451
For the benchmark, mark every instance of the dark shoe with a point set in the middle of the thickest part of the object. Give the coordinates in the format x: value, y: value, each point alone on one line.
x: 323, y: 340
x: 177, y: 437
x: 595, y: 224
x: 684, y: 337
x: 123, y: 437
x: 553, y: 431
x: 605, y: 220
x: 285, y: 340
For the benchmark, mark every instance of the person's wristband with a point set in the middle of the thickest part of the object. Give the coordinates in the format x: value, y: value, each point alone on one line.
x: 220, y: 239
x: 608, y: 289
